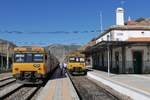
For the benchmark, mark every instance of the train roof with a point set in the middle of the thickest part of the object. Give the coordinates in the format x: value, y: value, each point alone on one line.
x: 29, y: 49
x: 75, y: 55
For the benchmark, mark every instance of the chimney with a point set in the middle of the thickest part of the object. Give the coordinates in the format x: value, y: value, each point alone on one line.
x: 120, y: 16
x: 129, y: 18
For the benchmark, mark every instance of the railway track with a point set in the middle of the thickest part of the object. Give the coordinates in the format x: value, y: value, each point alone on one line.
x: 19, y: 91
x: 88, y: 90
x: 11, y: 90
x: 6, y: 82
x: 6, y: 78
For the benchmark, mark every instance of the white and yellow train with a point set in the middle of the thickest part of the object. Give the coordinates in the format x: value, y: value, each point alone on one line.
x: 76, y: 63
x: 33, y: 64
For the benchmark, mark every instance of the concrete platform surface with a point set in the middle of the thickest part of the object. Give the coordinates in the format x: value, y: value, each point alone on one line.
x: 133, y: 85
x: 58, y: 88
x: 5, y: 75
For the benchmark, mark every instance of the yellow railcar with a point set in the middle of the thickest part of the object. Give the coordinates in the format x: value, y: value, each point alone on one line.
x: 76, y: 63
x: 32, y: 64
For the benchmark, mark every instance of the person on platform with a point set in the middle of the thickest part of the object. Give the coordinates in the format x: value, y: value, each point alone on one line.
x: 61, y: 68
x: 64, y: 67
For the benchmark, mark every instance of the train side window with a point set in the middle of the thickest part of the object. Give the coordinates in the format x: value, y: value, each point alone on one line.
x: 38, y: 57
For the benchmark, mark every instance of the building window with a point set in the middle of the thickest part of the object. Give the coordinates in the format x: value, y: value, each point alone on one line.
x: 111, y: 36
x: 102, y: 59
x: 117, y: 39
x: 142, y: 33
x: 119, y: 34
x: 108, y: 37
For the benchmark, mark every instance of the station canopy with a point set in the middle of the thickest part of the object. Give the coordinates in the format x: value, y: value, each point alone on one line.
x: 112, y: 44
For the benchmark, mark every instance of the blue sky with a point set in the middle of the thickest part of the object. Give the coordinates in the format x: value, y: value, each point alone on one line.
x: 61, y: 16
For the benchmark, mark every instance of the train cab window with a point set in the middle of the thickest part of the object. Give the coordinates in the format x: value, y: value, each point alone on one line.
x: 38, y: 57
x: 19, y: 58
x: 76, y: 59
x: 72, y: 59
x: 29, y: 57
x: 82, y: 59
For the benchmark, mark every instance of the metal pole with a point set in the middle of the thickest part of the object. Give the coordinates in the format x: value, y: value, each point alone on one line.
x: 108, y: 62
x: 101, y: 21
x: 7, y: 56
x: 2, y: 58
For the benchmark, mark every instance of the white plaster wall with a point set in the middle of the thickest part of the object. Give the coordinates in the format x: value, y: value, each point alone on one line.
x: 120, y: 58
x: 146, y: 56
x: 91, y: 61
x: 93, y: 57
x: 105, y: 58
x: 129, y: 58
x: 90, y: 64
x: 123, y: 35
x: 120, y: 18
x: 130, y: 49
x: 100, y: 59
x: 103, y: 38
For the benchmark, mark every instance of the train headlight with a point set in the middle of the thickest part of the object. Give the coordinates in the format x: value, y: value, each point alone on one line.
x: 16, y: 69
x: 39, y: 68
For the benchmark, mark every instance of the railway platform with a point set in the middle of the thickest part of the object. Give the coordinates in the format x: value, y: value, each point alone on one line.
x: 58, y: 88
x: 135, y: 86
x: 5, y: 76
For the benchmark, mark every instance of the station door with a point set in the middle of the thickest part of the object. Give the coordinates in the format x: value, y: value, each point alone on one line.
x: 137, y: 62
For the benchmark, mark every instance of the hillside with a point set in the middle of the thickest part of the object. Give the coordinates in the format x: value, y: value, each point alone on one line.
x: 59, y: 50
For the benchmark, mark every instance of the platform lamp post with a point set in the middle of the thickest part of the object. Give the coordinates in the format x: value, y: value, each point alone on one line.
x: 1, y: 44
x: 108, y: 63
x: 1, y: 56
x: 7, y: 66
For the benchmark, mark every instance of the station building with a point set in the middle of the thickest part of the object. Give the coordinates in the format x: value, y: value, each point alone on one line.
x: 6, y: 49
x: 122, y: 48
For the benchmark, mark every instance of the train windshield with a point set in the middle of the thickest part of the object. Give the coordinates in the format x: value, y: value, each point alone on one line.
x: 28, y: 57
x: 19, y: 57
x: 38, y: 57
x: 76, y: 59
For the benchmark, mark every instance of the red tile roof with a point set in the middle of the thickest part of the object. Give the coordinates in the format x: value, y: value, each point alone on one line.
x: 140, y: 39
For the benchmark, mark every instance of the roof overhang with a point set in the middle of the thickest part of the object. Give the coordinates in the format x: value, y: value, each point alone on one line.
x: 105, y: 44
x: 124, y: 27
